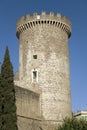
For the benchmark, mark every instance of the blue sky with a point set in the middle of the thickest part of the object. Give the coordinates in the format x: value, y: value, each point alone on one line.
x: 76, y: 11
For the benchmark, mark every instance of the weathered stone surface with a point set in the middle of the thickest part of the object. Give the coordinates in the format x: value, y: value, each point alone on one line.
x: 45, y: 36
x: 27, y: 102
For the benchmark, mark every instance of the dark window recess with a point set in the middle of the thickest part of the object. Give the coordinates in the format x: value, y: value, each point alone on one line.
x: 34, y: 56
x: 34, y: 74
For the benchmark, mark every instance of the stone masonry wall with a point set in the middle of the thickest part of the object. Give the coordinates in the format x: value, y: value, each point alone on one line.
x: 50, y: 44
x: 28, y: 113
x: 28, y: 104
x: 46, y: 36
x: 32, y: 124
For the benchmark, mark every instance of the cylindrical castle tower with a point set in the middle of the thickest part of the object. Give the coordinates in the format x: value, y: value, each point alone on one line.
x: 44, y: 62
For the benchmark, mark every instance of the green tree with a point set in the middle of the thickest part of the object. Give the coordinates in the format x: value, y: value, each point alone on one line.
x: 9, y: 117
x: 73, y: 124
x: 0, y: 103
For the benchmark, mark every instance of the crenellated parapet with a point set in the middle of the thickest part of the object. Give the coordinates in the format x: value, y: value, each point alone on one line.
x: 29, y: 21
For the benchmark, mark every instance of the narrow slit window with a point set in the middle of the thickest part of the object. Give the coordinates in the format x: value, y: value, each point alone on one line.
x: 34, y: 75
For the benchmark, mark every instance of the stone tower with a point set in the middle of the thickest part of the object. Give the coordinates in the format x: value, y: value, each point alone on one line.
x: 44, y: 62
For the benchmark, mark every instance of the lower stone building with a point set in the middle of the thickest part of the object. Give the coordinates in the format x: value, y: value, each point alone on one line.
x: 28, y: 110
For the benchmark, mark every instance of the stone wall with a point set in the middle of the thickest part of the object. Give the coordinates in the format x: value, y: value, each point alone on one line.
x: 34, y: 124
x: 45, y: 36
x: 28, y: 111
x: 28, y: 123
x: 50, y: 44
x: 28, y: 104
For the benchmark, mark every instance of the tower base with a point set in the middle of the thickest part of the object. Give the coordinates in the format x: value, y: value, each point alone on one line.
x: 34, y: 124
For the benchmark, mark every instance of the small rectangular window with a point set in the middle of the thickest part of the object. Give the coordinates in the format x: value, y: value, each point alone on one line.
x: 34, y: 56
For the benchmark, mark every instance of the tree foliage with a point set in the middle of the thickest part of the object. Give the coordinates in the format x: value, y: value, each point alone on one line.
x: 0, y: 103
x: 73, y: 124
x: 8, y: 107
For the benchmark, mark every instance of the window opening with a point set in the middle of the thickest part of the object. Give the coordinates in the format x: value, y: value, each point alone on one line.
x: 34, y: 56
x: 34, y: 75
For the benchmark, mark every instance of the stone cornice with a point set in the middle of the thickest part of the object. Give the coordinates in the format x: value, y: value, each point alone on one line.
x: 28, y: 22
